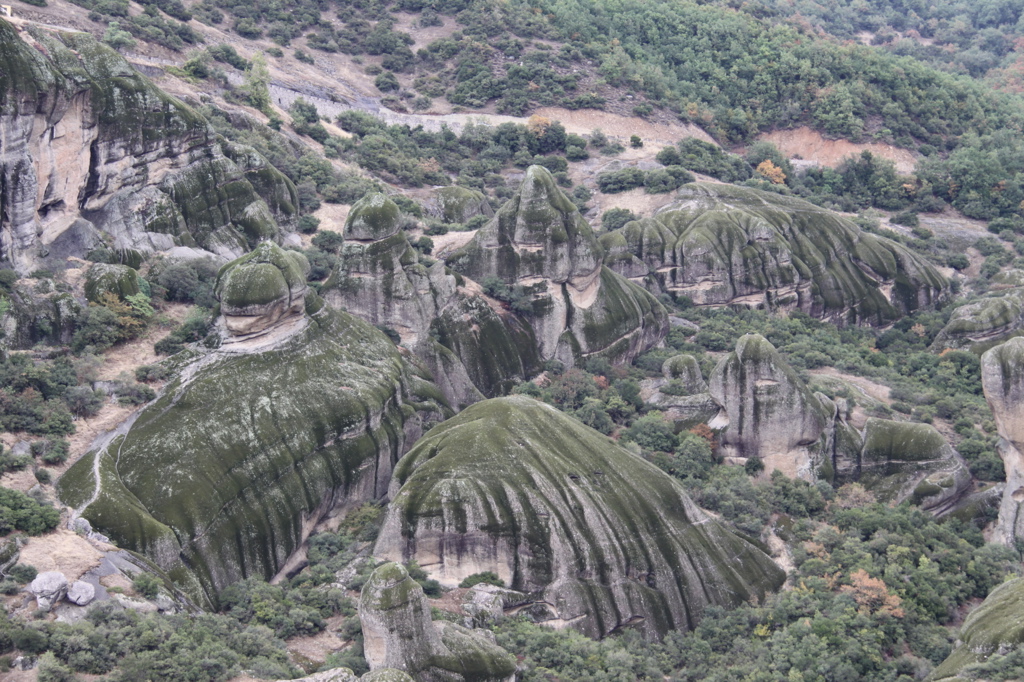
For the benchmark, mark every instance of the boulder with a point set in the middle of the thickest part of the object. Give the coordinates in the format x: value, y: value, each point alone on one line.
x: 398, y: 633
x: 995, y: 627
x: 1002, y: 378
x: 386, y: 675
x: 102, y: 278
x: 225, y: 474
x: 903, y: 460
x: 723, y: 244
x: 261, y: 289
x: 48, y: 588
x: 988, y: 320
x: 684, y: 371
x: 81, y: 593
x: 600, y: 538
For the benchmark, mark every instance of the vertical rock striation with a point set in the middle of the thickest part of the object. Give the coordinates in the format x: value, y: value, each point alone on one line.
x: 1002, y: 378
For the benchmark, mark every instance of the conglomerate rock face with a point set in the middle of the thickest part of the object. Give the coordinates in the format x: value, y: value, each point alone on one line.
x: 262, y: 288
x: 398, y: 633
x: 597, y: 536
x: 90, y: 149
x: 1002, y: 377
x: 227, y: 472
x: 768, y: 412
x: 995, y: 627
x: 722, y: 244
x: 990, y: 319
x: 539, y: 241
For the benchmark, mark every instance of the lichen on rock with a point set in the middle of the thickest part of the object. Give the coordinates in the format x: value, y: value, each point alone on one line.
x: 261, y: 288
x: 118, y: 280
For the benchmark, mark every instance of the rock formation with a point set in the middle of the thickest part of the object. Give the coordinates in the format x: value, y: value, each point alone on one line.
x: 458, y: 204
x: 992, y: 318
x: 398, y: 633
x: 720, y: 244
x: 681, y: 392
x: 995, y: 627
x: 119, y: 280
x: 599, y: 537
x: 253, y: 443
x: 262, y: 288
x: 81, y: 593
x: 89, y: 149
x: 539, y: 241
x: 379, y: 277
x: 768, y: 412
x: 1002, y: 377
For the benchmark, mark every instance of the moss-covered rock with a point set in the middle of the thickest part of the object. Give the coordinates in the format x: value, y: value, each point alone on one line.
x: 767, y: 411
x: 995, y: 627
x: 93, y: 149
x: 456, y: 204
x: 119, y: 280
x: 539, y: 241
x: 399, y: 634
x: 1002, y: 378
x: 565, y: 515
x: 261, y: 288
x: 988, y: 320
x: 720, y: 244
x: 684, y: 370
x: 225, y: 474
x: 903, y: 460
x: 372, y: 218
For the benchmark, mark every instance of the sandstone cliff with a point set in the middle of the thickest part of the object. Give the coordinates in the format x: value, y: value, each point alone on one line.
x: 597, y: 536
x: 721, y: 244
x: 1002, y: 377
x: 226, y: 473
x: 92, y: 152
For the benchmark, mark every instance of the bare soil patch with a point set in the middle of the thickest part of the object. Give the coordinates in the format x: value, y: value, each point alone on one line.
x: 810, y: 145
x: 62, y: 550
x: 622, y: 127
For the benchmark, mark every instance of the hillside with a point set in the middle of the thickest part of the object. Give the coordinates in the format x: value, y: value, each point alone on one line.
x: 532, y: 340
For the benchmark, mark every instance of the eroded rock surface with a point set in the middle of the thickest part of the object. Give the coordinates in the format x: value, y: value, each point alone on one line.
x: 1002, y: 377
x: 539, y: 241
x: 228, y: 471
x: 89, y: 147
x: 48, y: 588
x: 261, y: 289
x: 722, y: 244
x: 993, y: 317
x: 563, y: 514
x: 398, y: 633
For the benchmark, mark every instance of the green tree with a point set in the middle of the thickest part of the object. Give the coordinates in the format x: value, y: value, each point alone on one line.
x: 257, y: 83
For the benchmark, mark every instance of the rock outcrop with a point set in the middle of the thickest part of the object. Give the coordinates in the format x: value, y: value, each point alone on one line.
x: 398, y: 633
x: 722, y: 244
x: 91, y: 151
x: 227, y: 472
x: 600, y: 538
x: 768, y: 412
x: 681, y: 392
x: 995, y: 627
x: 990, y: 319
x: 102, y: 278
x: 458, y: 204
x: 81, y: 593
x: 1002, y: 378
x: 379, y: 277
x: 539, y: 241
x: 261, y: 289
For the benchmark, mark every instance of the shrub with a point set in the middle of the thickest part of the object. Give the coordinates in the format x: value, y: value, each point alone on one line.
x: 614, y: 218
x: 83, y: 401
x: 308, y: 224
x: 18, y: 511
x: 147, y: 584
x: 485, y: 577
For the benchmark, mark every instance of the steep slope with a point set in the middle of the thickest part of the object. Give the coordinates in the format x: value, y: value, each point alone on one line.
x: 598, y: 536
x: 722, y: 244
x: 1002, y: 377
x: 227, y: 472
x: 89, y: 148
